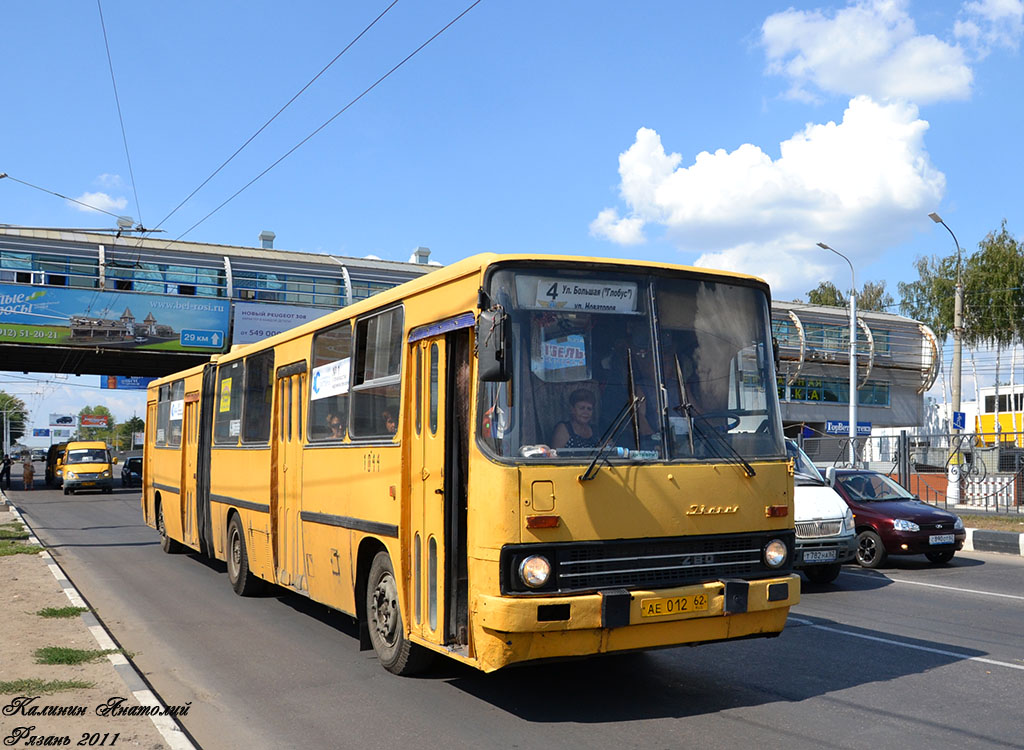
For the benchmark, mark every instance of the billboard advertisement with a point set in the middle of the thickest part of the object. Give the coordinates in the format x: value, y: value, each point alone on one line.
x: 89, y: 317
x: 124, y: 382
x: 41, y: 432
x: 58, y: 420
x: 61, y: 433
x: 255, y: 322
x: 93, y: 420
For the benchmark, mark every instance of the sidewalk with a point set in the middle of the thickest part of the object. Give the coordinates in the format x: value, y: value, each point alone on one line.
x: 101, y: 701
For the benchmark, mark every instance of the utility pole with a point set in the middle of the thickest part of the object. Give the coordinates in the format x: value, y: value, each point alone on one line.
x: 953, y: 474
x: 853, y: 356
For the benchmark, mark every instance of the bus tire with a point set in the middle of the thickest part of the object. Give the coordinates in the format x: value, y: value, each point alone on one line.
x: 384, y: 621
x: 241, y: 578
x: 168, y: 545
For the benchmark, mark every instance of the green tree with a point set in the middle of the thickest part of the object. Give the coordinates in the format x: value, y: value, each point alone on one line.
x: 874, y: 298
x: 125, y: 431
x: 16, y: 414
x: 930, y: 298
x: 97, y: 433
x: 827, y: 294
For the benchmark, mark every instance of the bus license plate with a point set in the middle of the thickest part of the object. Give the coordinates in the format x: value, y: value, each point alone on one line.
x: 673, y: 605
x: 820, y: 555
x: 941, y: 539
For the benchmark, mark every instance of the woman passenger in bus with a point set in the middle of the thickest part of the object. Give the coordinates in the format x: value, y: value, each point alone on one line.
x: 577, y: 431
x: 334, y: 425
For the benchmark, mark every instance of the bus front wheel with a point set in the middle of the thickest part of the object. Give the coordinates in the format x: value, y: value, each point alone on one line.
x: 384, y: 620
x: 242, y: 580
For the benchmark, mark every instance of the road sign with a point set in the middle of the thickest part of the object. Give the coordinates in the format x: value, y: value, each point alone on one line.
x: 959, y: 420
x: 209, y: 339
x: 842, y: 427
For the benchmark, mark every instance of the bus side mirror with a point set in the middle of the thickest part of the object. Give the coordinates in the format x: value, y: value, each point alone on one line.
x: 493, y: 332
x: 775, y: 352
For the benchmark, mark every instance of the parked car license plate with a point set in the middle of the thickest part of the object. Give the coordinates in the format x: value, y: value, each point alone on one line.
x: 941, y: 539
x: 820, y: 555
x: 673, y: 605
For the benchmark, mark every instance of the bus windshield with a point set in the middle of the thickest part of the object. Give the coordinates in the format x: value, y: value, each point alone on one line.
x: 693, y: 354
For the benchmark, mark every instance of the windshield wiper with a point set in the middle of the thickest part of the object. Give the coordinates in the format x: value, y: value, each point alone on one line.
x: 684, y: 402
x: 691, y: 411
x: 609, y: 435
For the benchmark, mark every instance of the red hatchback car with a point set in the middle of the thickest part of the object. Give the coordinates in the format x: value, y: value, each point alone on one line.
x: 891, y: 521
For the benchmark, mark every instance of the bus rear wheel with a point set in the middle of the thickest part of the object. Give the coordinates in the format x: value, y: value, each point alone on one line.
x: 168, y: 545
x: 384, y: 620
x: 242, y: 580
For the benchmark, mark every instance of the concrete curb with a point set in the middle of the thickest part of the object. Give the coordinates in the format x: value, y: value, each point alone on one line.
x: 984, y: 540
x: 168, y: 727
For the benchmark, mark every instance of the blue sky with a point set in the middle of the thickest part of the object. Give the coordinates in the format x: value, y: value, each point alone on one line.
x: 732, y: 135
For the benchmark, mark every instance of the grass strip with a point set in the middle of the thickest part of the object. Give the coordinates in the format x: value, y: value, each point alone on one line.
x: 36, y: 686
x: 1013, y: 523
x: 61, y: 612
x: 19, y: 533
x: 10, y: 547
x: 70, y: 656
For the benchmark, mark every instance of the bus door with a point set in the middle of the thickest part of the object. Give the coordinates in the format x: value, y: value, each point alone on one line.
x: 437, y: 451
x: 190, y: 454
x: 287, y: 481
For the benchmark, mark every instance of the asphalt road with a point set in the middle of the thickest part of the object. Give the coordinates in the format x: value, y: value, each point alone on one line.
x: 909, y: 656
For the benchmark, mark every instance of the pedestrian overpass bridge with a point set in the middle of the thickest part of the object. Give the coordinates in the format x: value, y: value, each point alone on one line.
x: 84, y: 302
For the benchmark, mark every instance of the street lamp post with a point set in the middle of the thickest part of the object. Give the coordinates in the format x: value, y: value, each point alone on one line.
x: 853, y: 355
x: 953, y: 477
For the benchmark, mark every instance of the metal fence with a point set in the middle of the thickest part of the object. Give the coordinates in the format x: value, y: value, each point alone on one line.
x: 990, y: 466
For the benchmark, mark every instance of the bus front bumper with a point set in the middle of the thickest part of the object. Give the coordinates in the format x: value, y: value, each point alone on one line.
x: 514, y: 629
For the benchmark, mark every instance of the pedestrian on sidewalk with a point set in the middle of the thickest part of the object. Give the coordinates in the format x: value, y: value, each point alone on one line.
x: 28, y: 472
x: 5, y: 472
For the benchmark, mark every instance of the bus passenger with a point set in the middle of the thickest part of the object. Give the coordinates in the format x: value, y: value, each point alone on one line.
x: 334, y: 425
x: 390, y: 424
x: 577, y: 431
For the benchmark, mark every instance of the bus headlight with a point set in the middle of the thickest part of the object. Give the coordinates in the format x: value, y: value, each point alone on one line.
x: 535, y: 571
x: 775, y: 553
x: 106, y: 473
x: 71, y: 475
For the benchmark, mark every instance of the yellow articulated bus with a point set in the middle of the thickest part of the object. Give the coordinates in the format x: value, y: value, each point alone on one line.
x: 509, y: 459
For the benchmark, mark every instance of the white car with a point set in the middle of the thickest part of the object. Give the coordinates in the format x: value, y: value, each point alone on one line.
x: 825, y: 533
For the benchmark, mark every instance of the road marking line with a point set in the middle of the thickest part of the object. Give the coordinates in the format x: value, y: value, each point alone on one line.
x: 935, y: 585
x: 891, y: 642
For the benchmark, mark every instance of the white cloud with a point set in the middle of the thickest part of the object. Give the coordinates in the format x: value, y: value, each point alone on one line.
x: 100, y: 202
x: 859, y: 185
x: 109, y: 180
x: 870, y: 47
x: 991, y: 23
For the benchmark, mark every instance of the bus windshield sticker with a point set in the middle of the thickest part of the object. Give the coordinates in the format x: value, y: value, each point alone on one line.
x: 562, y: 353
x: 161, y: 436
x: 177, y: 410
x: 330, y: 379
x: 235, y: 427
x: 578, y: 296
x: 225, y: 394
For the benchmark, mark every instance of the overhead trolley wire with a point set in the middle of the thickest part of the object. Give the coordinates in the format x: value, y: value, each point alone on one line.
x: 287, y: 104
x: 340, y: 112
x: 120, y: 117
x: 51, y: 192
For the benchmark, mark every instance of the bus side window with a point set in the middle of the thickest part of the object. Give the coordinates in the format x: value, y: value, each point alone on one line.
x: 376, y: 385
x: 327, y: 414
